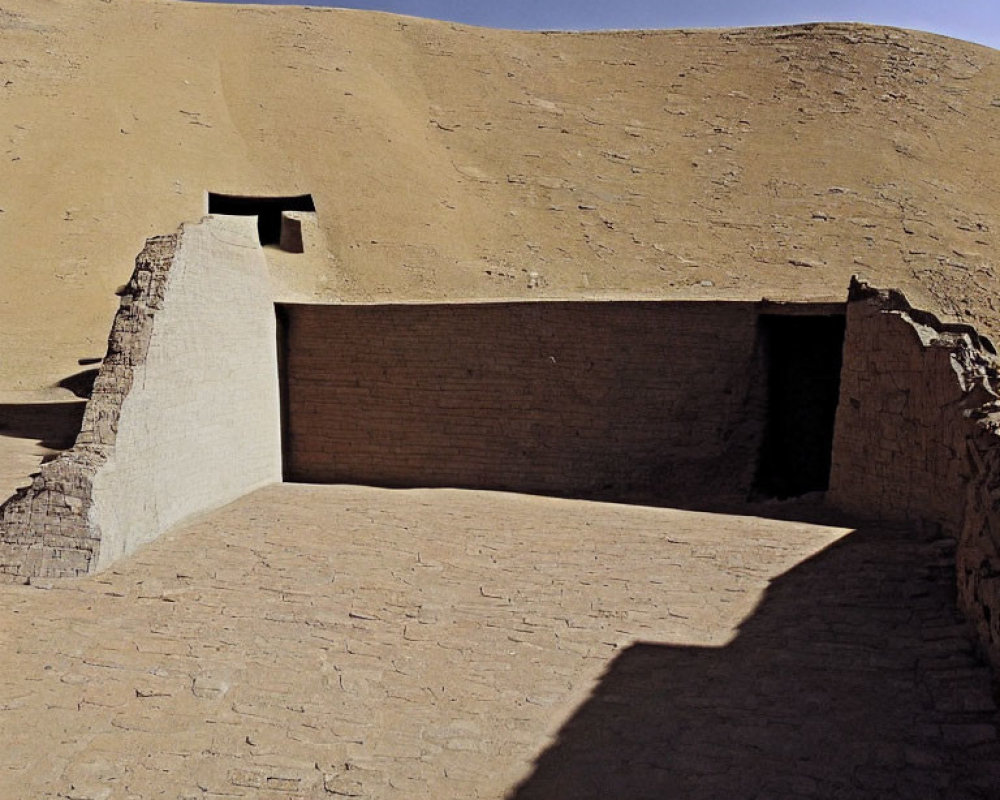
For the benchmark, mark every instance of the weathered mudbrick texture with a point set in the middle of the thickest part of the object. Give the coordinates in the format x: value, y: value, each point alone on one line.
x: 917, y: 438
x: 554, y: 397
x: 46, y: 528
x: 978, y: 556
x: 907, y: 384
x: 190, y: 367
x: 201, y: 425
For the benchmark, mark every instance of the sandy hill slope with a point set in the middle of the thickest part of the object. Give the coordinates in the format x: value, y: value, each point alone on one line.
x: 449, y: 162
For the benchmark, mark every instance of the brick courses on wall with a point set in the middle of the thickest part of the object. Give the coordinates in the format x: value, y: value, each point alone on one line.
x: 899, y: 443
x: 46, y: 529
x: 978, y: 553
x: 191, y: 368
x: 578, y: 398
x: 917, y: 439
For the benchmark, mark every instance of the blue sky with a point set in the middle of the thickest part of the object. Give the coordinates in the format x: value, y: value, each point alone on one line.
x: 975, y: 20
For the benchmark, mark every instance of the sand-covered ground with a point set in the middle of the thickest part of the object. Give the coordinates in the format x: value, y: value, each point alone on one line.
x: 450, y: 162
x: 351, y: 642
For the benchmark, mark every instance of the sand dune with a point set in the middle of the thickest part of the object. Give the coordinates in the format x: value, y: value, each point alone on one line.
x: 453, y: 162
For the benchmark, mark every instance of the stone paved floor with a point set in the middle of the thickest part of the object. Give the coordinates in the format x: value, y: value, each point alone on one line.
x: 350, y: 642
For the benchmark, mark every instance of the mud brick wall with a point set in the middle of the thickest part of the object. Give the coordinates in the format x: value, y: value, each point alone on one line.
x: 589, y: 398
x: 201, y: 425
x: 899, y: 441
x: 184, y: 414
x: 978, y: 552
x: 47, y: 529
x: 917, y: 439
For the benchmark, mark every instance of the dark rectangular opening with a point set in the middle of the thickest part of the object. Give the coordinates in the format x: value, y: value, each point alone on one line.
x: 802, y: 357
x: 266, y: 209
x: 282, y: 325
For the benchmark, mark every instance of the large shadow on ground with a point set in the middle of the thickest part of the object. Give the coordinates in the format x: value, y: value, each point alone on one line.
x: 854, y: 678
x: 53, y: 425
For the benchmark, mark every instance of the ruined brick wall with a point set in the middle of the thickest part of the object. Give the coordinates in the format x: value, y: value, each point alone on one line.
x: 593, y: 398
x: 899, y: 441
x: 190, y: 368
x: 978, y: 552
x: 200, y: 426
x: 917, y: 439
x: 46, y: 529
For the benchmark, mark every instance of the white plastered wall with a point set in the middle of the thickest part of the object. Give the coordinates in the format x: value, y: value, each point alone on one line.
x: 201, y: 424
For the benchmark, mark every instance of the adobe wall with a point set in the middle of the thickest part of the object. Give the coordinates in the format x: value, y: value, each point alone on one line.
x: 581, y: 398
x: 978, y: 554
x: 917, y: 439
x: 899, y: 440
x: 190, y: 370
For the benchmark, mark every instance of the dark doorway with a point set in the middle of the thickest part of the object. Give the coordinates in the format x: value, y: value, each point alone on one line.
x: 266, y: 209
x: 802, y: 357
x: 283, y: 321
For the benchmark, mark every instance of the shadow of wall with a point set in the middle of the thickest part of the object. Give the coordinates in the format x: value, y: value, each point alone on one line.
x: 632, y: 401
x: 53, y: 425
x: 854, y: 678
x: 917, y: 438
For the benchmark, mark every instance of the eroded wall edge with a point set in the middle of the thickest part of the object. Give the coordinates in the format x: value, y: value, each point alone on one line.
x: 918, y: 439
x: 184, y: 413
x: 46, y: 528
x: 978, y: 554
x: 201, y: 424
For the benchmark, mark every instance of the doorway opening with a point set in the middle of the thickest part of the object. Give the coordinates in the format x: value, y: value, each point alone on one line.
x: 564, y: 398
x: 274, y: 227
x: 801, y: 357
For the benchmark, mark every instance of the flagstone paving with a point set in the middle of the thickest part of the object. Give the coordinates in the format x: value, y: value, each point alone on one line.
x: 315, y: 641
